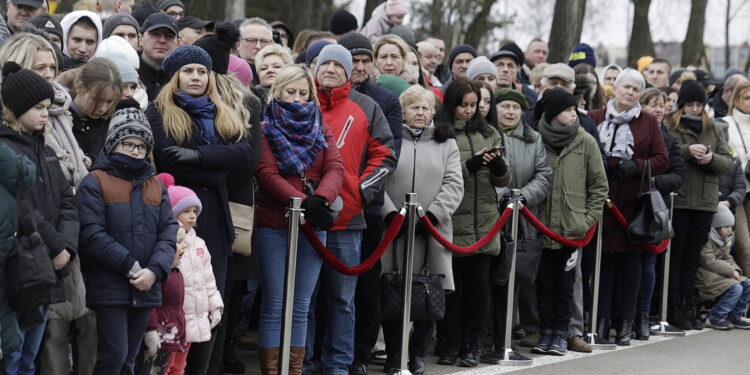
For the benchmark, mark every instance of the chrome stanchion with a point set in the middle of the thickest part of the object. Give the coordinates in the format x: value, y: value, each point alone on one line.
x: 663, y: 328
x: 295, y: 217
x: 408, y: 261
x: 596, y: 342
x: 511, y: 357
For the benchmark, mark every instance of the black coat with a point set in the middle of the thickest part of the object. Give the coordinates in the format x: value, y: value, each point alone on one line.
x: 50, y: 200
x: 89, y: 133
x: 153, y: 78
x: 732, y: 185
x: 674, y: 177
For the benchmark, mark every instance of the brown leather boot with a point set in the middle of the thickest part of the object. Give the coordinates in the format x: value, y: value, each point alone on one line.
x: 296, y: 359
x: 269, y: 361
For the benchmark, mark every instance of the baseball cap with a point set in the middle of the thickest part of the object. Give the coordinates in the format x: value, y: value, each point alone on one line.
x: 159, y: 20
x: 559, y: 70
x: 193, y: 22
x: 31, y: 3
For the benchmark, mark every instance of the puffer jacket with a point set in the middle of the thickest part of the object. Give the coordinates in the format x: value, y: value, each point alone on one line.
x: 732, y: 185
x: 16, y: 173
x: 169, y: 319
x: 124, y: 219
x: 477, y: 212
x: 715, y: 268
x: 201, y: 295
x: 378, y: 25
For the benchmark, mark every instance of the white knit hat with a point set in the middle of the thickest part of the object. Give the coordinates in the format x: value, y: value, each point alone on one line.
x: 116, y: 44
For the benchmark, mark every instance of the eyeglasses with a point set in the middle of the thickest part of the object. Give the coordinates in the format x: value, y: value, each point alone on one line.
x: 130, y: 147
x: 176, y: 14
x: 252, y: 42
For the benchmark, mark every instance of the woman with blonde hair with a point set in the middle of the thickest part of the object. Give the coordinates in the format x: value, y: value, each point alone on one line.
x: 269, y: 62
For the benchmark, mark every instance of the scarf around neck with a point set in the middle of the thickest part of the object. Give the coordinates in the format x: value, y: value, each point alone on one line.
x: 615, y: 132
x: 716, y: 237
x: 557, y: 137
x: 691, y: 122
x: 295, y: 133
x: 203, y: 111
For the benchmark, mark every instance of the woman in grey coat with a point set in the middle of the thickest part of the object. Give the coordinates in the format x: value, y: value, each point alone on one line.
x: 429, y: 154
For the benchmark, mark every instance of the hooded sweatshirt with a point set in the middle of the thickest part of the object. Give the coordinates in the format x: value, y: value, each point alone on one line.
x: 67, y: 23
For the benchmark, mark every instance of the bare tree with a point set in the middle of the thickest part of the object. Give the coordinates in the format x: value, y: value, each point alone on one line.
x: 234, y: 9
x: 370, y: 5
x: 693, y: 50
x: 640, y: 37
x: 567, y: 24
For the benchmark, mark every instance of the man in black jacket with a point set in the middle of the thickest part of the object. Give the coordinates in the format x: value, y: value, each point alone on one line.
x: 160, y: 37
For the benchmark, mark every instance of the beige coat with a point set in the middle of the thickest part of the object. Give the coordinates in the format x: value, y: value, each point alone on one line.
x: 715, y: 270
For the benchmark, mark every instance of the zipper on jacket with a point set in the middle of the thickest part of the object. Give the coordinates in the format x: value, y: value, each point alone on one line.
x: 476, y: 187
x: 414, y: 164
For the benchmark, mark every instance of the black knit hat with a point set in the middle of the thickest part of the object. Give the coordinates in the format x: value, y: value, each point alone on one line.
x: 461, y: 48
x: 48, y: 23
x: 23, y: 89
x: 219, y: 45
x: 141, y: 11
x: 357, y: 44
x: 119, y: 19
x: 553, y: 102
x: 343, y: 22
x: 691, y: 91
x: 513, y: 47
x: 128, y: 121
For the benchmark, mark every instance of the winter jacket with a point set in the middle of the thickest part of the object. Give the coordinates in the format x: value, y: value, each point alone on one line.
x: 50, y: 200
x: 477, y: 212
x: 326, y: 172
x: 648, y: 145
x: 527, y: 158
x: 201, y: 294
x: 365, y: 143
x: 124, y: 219
x: 578, y: 189
x: 732, y: 185
x: 169, y: 319
x: 674, y: 177
x: 431, y: 169
x: 90, y: 133
x: 378, y: 25
x: 16, y: 173
x: 715, y: 269
x: 701, y: 188
x: 738, y: 127
x: 153, y: 78
x: 60, y: 137
x: 586, y: 123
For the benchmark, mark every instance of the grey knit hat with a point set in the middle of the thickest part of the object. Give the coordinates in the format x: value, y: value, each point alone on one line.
x: 128, y: 121
x: 480, y: 65
x: 723, y: 217
x: 337, y: 53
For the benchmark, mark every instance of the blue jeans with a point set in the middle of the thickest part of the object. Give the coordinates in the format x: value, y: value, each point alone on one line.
x: 271, y: 245
x: 733, y: 302
x: 648, y: 281
x: 339, y: 289
x: 21, y: 361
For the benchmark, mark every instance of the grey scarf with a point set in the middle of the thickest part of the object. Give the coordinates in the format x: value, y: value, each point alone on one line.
x: 615, y: 131
x: 714, y: 236
x: 557, y: 137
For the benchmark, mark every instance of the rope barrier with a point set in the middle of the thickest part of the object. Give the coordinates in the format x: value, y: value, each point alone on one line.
x: 471, y: 248
x: 554, y: 236
x: 338, y: 265
x: 620, y: 218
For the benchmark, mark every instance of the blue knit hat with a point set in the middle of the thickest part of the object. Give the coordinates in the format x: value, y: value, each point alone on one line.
x: 461, y: 48
x: 314, y: 50
x: 582, y: 53
x: 184, y: 55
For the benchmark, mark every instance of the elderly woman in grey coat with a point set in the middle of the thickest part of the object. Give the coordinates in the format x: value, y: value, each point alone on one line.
x: 429, y: 155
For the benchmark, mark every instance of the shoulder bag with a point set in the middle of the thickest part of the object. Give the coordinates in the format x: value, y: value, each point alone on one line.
x: 650, y: 222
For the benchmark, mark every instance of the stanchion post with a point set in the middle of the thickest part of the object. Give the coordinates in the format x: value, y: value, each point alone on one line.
x: 408, y: 261
x: 596, y: 342
x: 294, y: 215
x: 664, y: 329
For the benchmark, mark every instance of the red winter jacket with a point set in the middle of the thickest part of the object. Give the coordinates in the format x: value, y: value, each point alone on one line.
x: 169, y: 319
x: 365, y: 143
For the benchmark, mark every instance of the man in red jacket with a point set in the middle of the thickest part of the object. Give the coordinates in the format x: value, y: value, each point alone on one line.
x: 365, y: 143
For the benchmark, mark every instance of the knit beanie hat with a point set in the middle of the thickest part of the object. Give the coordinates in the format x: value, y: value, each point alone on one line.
x: 337, y: 53
x: 219, y: 45
x: 461, y: 48
x: 357, y: 44
x: 118, y: 19
x: 395, y: 8
x: 406, y: 33
x: 582, y: 53
x: 643, y: 63
x: 128, y: 121
x: 480, y: 65
x: 141, y: 11
x: 691, y: 91
x: 48, y: 23
x: 23, y: 89
x: 184, y: 55
x: 394, y: 84
x: 314, y: 50
x: 127, y: 72
x: 553, y: 102
x: 181, y: 197
x: 117, y: 45
x: 164, y: 4
x: 241, y: 70
x: 343, y: 22
x: 723, y: 217
x: 504, y: 94
x: 513, y: 47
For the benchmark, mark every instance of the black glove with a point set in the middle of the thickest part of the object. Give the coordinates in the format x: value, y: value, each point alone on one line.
x: 177, y: 154
x: 317, y: 212
x: 626, y: 170
x: 474, y: 163
x: 498, y: 166
x: 421, y: 229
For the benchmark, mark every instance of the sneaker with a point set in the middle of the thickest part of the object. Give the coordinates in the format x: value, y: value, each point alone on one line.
x: 542, y: 345
x: 530, y: 340
x: 698, y: 324
x: 493, y: 358
x: 471, y: 357
x: 720, y: 324
x: 740, y: 323
x: 558, y: 346
x: 449, y: 357
x: 577, y: 344
x: 358, y: 369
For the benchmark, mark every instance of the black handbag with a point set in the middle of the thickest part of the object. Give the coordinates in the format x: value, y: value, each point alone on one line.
x: 528, y: 254
x: 427, y: 294
x: 650, y: 223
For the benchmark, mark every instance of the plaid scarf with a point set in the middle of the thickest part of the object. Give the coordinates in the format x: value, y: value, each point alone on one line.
x: 295, y: 133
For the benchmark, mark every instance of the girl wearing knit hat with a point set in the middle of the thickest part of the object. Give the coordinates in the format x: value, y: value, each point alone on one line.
x: 384, y: 17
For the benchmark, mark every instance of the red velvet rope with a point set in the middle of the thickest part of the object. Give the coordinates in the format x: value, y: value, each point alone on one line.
x: 656, y: 249
x: 554, y: 236
x: 471, y: 248
x: 338, y: 265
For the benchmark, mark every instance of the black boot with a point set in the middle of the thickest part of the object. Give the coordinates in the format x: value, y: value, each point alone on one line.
x: 642, y: 327
x: 623, y: 334
x: 676, y: 316
x: 602, y: 328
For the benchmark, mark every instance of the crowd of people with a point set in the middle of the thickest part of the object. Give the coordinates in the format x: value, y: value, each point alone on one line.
x: 153, y: 156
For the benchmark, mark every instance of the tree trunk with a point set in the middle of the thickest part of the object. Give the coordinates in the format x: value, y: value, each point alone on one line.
x: 436, y: 19
x: 370, y: 5
x: 478, y: 28
x: 727, y: 20
x: 640, y: 37
x: 234, y: 9
x: 693, y: 50
x: 567, y: 24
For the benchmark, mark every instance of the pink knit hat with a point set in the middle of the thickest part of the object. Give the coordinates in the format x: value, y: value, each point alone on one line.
x: 180, y: 196
x: 241, y: 69
x: 395, y: 8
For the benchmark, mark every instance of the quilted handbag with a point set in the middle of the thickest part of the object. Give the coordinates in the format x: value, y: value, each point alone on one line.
x: 651, y: 220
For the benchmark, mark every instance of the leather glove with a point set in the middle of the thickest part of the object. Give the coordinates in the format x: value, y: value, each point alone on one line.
x: 497, y: 166
x: 176, y: 154
x: 215, y: 318
x: 474, y: 163
x: 626, y: 170
x: 317, y: 212
x: 152, y: 343
x: 421, y: 229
